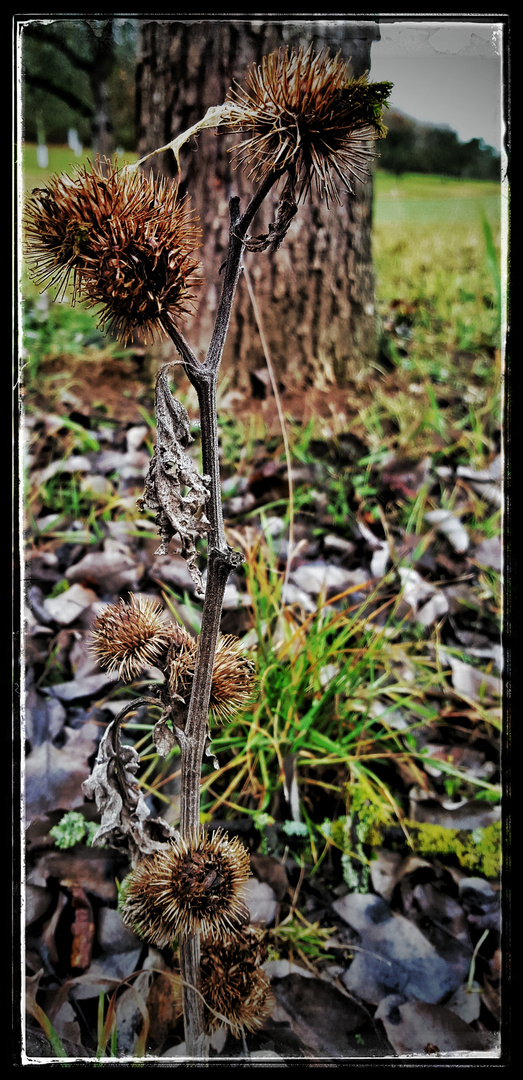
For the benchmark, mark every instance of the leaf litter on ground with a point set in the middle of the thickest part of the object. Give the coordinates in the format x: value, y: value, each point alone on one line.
x: 402, y: 964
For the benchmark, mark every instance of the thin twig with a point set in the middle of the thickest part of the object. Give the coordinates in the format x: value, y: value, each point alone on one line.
x: 274, y: 384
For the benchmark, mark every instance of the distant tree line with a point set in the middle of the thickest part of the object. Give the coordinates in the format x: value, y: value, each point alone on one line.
x: 423, y: 148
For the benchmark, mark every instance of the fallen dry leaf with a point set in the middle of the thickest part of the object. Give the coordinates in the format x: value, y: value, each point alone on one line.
x: 267, y: 868
x: 54, y: 776
x: 442, y: 920
x: 131, y: 1013
x: 113, y: 569
x: 68, y: 606
x: 450, y: 526
x: 261, y: 902
x: 394, y: 956
x: 82, y: 928
x: 164, y: 1005
x: 469, y: 814
x: 469, y: 681
x: 415, y: 1027
x: 92, y: 869
x: 387, y: 868
x: 323, y: 1019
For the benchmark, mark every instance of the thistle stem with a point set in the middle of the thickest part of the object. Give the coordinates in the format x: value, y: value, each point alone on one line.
x: 222, y: 559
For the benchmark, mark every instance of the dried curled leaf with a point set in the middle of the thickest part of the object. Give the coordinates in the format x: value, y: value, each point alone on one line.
x: 214, y: 116
x: 173, y: 486
x: 118, y: 796
x: 163, y: 738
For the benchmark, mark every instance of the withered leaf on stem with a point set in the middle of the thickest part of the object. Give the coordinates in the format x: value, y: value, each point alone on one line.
x: 287, y: 210
x: 163, y: 738
x: 125, y: 815
x: 178, y: 512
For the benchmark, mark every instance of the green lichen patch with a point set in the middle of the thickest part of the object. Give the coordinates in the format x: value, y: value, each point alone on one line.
x: 477, y: 850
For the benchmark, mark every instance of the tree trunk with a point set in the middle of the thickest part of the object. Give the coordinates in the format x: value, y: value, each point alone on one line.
x: 103, y: 58
x: 316, y: 292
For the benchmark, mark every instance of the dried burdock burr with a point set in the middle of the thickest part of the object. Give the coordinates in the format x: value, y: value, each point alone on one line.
x: 303, y: 110
x: 127, y: 241
x: 129, y: 637
x: 232, y: 677
x: 235, y: 987
x: 194, y: 885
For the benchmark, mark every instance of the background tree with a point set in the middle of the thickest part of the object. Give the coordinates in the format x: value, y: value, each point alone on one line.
x: 79, y: 73
x: 411, y: 146
x: 318, y: 288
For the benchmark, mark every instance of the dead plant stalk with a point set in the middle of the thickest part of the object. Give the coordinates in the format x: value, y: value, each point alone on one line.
x: 221, y: 561
x: 310, y: 123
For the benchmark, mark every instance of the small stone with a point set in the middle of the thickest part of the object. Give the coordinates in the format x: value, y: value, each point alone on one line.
x: 319, y: 577
x: 135, y: 437
x: 67, y: 607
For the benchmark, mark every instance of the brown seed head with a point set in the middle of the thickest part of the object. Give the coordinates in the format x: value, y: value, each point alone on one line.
x: 130, y: 637
x: 126, y: 240
x: 304, y: 110
x: 234, y: 986
x: 191, y: 886
x: 232, y: 677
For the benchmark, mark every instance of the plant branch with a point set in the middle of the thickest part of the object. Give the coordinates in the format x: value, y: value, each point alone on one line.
x: 233, y: 266
x: 222, y: 559
x: 196, y: 1041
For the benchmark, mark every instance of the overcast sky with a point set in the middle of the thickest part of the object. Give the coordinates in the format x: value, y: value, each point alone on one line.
x: 445, y: 71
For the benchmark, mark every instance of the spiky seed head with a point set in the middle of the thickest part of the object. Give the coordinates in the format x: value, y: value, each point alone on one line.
x: 232, y: 678
x: 181, y: 662
x: 234, y: 986
x: 304, y: 110
x: 127, y: 638
x: 126, y: 240
x: 193, y: 885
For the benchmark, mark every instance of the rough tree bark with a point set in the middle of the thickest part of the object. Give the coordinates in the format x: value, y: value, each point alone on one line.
x: 317, y: 291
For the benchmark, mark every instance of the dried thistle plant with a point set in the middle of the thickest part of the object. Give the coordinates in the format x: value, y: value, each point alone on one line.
x: 233, y: 983
x: 232, y: 676
x: 127, y: 638
x: 304, y: 110
x: 126, y: 243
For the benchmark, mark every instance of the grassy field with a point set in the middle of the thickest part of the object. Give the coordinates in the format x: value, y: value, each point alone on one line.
x: 439, y: 291
x: 61, y: 159
x: 438, y: 241
x: 427, y: 200
x: 436, y: 246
